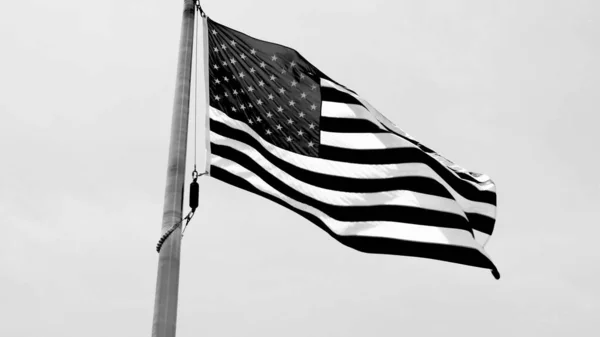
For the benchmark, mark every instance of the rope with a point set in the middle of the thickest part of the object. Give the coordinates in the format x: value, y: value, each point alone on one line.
x: 199, y: 7
x: 164, y: 237
x: 196, y: 83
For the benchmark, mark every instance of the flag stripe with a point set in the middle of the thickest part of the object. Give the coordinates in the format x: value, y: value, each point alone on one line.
x: 482, y: 223
x: 394, y: 213
x: 364, y: 141
x: 342, y: 110
x: 333, y: 95
x: 348, y: 125
x: 377, y: 245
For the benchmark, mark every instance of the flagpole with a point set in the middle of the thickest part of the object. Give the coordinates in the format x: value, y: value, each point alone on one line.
x: 167, y: 283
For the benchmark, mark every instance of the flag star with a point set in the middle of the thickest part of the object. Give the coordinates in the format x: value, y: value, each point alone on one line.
x: 290, y: 121
x: 259, y: 102
x: 269, y: 132
x: 224, y: 63
x: 232, y: 43
x: 250, y: 89
x: 302, y: 76
x: 269, y: 114
x: 271, y: 96
x: 261, y: 83
x: 313, y: 87
x: 294, y: 83
x: 242, y: 56
x: 225, y: 94
x: 293, y: 64
x: 233, y: 61
x: 243, y: 107
x: 225, y: 79
x: 301, y: 114
x: 279, y: 109
x: 312, y: 126
x: 253, y: 51
x: 288, y: 138
x: 216, y: 49
x: 263, y: 64
x: 250, y: 121
x: 233, y: 109
x: 223, y: 46
x: 300, y: 133
x: 249, y: 105
x: 279, y: 127
x: 258, y: 119
x: 311, y: 144
x: 242, y: 74
x: 272, y: 77
x: 217, y: 81
x: 214, y: 32
x: 292, y: 103
x: 281, y: 90
x: 235, y: 92
x: 217, y: 98
x: 273, y: 58
x: 216, y: 67
x: 283, y: 71
x: 313, y: 107
x: 303, y: 95
x: 252, y: 70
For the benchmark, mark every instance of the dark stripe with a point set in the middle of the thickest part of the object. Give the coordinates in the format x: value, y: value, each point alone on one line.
x: 449, y: 253
x: 481, y: 222
x: 402, y: 156
x: 419, y: 184
x: 347, y: 125
x: 394, y: 213
x: 428, y: 150
x: 334, y: 95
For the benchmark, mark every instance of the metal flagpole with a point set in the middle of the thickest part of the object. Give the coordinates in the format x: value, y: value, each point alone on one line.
x: 167, y: 283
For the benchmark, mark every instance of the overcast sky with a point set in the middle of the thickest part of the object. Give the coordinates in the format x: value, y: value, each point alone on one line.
x: 509, y: 88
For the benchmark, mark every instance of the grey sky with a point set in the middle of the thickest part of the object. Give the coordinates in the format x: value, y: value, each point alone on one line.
x: 508, y: 88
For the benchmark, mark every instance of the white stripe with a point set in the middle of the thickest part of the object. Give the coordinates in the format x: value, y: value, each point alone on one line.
x: 350, y: 170
x: 364, y: 141
x: 383, y: 229
x: 339, y: 198
x: 343, y: 110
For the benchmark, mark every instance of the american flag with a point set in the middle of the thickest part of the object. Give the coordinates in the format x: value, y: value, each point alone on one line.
x: 282, y: 129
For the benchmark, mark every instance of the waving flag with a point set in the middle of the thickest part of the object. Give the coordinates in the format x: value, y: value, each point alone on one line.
x: 282, y: 129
